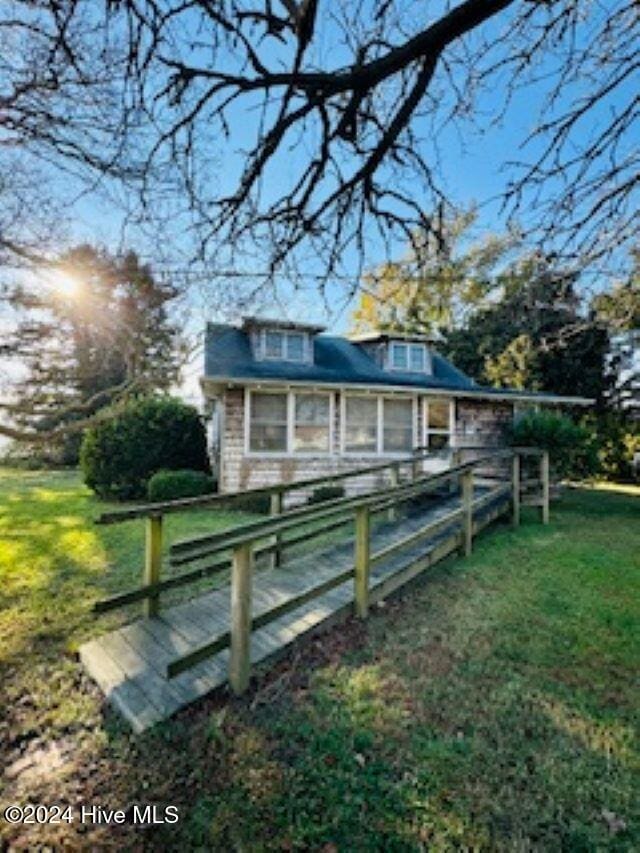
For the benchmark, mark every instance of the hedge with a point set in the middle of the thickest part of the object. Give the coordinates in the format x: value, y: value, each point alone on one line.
x: 120, y: 453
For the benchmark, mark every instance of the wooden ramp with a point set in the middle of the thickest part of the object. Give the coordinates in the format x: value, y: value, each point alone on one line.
x: 130, y: 664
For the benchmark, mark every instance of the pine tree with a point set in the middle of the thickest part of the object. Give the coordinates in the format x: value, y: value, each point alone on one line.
x: 99, y: 329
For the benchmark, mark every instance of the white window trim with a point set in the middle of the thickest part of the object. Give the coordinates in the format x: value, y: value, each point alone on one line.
x: 379, y: 452
x: 408, y: 369
x: 426, y: 431
x: 289, y: 452
x: 306, y: 349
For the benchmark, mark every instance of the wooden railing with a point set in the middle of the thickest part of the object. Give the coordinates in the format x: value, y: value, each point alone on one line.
x: 153, y: 514
x: 236, y: 548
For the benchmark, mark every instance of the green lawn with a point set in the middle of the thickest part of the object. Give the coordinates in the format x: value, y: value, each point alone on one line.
x: 491, y: 706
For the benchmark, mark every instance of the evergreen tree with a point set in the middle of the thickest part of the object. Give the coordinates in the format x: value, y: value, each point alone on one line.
x: 535, y: 336
x: 98, y: 330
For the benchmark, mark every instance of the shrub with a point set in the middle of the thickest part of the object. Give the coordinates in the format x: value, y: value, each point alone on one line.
x: 120, y: 453
x: 172, y: 485
x: 326, y: 493
x: 258, y: 504
x: 571, y: 451
x: 617, y: 442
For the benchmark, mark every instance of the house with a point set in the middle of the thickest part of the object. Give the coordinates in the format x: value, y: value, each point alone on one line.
x: 288, y: 402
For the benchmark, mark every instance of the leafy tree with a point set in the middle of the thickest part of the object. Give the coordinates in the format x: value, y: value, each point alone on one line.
x: 98, y: 331
x: 572, y: 452
x: 536, y: 336
x: 619, y: 308
x: 442, y: 279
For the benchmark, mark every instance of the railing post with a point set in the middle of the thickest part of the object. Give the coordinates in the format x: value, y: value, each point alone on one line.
x: 153, y: 562
x: 241, y: 582
x: 415, y: 468
x: 275, y: 508
x: 362, y: 554
x: 394, y: 472
x: 456, y: 459
x: 515, y: 488
x: 466, y: 482
x: 544, y: 476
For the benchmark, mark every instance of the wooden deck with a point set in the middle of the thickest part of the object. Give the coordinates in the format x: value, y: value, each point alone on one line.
x: 130, y: 664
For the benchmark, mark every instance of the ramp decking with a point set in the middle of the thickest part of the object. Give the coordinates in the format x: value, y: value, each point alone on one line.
x: 130, y: 664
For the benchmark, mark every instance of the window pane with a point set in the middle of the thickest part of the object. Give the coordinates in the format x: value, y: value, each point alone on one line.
x: 311, y: 438
x: 438, y: 414
x: 417, y: 358
x: 312, y: 426
x: 398, y: 426
x: 398, y: 440
x: 361, y: 433
x: 399, y: 356
x: 273, y: 344
x: 268, y: 426
x: 362, y: 410
x: 295, y: 347
x: 398, y: 412
x: 361, y: 439
x: 268, y: 438
x: 312, y: 409
x: 269, y: 408
x: 438, y: 441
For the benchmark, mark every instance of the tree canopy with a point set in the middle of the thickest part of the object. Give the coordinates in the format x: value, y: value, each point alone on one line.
x: 96, y: 333
x: 537, y: 335
x: 335, y: 110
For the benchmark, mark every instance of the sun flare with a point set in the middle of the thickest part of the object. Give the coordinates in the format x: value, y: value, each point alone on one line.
x: 65, y: 284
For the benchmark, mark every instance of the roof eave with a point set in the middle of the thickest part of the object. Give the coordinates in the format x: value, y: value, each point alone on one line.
x: 221, y: 382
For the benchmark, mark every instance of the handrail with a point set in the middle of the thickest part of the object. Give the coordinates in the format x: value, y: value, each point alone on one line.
x: 293, y: 517
x: 236, y: 548
x: 237, y: 638
x: 117, y: 516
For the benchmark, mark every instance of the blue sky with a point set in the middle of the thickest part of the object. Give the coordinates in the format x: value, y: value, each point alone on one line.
x: 472, y: 170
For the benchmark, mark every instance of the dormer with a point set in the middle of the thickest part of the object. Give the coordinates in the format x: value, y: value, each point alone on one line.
x: 398, y: 352
x: 281, y: 340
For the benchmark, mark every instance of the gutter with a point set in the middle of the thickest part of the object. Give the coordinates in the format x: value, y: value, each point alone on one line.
x: 220, y: 383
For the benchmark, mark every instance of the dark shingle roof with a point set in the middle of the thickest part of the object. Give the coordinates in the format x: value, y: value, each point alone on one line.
x: 338, y: 361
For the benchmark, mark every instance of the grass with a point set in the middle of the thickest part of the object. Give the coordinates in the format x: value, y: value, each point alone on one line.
x: 491, y: 706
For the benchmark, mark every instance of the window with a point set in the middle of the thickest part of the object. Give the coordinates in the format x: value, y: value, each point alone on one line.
x: 398, y: 426
x: 295, y: 346
x: 399, y: 357
x: 288, y: 422
x: 268, y: 423
x: 437, y: 419
x: 412, y: 357
x: 284, y: 346
x: 312, y: 424
x: 361, y: 425
x: 273, y: 344
x: 417, y: 358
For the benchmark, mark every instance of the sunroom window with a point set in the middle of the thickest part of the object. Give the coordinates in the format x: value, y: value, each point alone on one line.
x: 438, y: 417
x: 398, y: 426
x: 361, y: 425
x: 312, y: 425
x: 268, y: 423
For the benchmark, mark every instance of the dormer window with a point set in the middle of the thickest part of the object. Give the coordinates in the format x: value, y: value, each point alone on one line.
x: 284, y: 345
x: 411, y: 357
